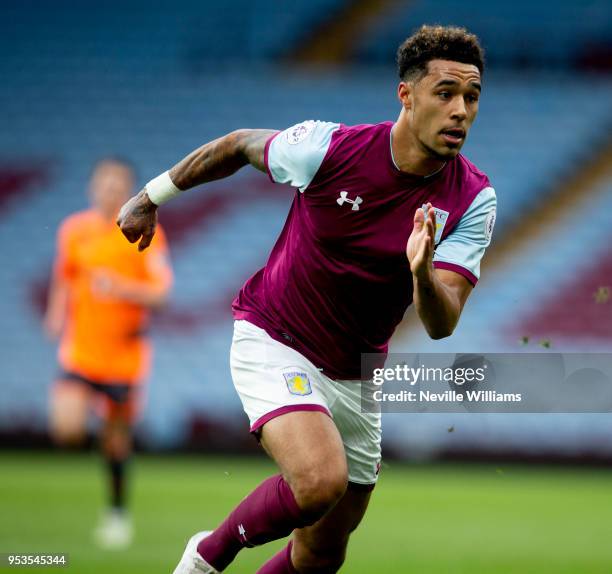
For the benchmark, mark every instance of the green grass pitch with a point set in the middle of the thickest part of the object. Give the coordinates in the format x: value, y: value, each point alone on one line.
x: 438, y: 519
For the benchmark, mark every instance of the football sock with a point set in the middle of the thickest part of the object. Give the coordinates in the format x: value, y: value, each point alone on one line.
x: 117, y: 472
x: 268, y: 513
x: 279, y: 563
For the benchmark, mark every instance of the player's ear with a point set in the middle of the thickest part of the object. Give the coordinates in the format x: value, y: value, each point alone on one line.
x: 404, y: 94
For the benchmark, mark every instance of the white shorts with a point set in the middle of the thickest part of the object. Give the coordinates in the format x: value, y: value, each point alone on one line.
x: 273, y: 379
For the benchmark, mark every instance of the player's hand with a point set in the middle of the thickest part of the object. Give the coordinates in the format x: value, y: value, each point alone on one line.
x: 420, y: 246
x: 138, y: 219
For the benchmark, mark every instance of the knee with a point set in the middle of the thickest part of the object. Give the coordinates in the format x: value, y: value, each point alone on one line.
x: 116, y: 443
x: 68, y: 436
x: 68, y: 415
x: 318, y: 491
x: 322, y: 561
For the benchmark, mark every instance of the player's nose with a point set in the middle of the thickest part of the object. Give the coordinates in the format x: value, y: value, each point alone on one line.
x: 459, y: 110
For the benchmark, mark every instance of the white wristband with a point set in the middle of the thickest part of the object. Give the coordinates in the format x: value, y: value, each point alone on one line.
x: 161, y: 189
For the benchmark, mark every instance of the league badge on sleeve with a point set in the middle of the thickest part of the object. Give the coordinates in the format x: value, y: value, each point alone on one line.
x: 300, y: 132
x: 298, y: 383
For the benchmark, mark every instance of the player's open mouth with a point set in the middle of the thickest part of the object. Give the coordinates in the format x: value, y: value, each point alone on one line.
x: 453, y: 136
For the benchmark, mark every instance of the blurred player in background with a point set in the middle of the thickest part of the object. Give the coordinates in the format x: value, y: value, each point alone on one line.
x: 386, y: 215
x: 100, y: 301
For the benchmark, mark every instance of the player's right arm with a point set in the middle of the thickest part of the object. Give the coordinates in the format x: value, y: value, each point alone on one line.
x: 59, y: 289
x: 215, y: 160
x: 57, y: 306
x: 221, y: 158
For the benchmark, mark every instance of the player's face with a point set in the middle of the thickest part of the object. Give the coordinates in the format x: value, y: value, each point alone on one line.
x: 110, y: 187
x: 442, y: 107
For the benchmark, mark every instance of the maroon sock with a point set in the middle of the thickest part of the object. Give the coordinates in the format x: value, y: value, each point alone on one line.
x: 268, y: 513
x: 279, y: 563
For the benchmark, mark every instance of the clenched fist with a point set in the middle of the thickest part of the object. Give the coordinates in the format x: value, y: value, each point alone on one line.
x: 138, y: 220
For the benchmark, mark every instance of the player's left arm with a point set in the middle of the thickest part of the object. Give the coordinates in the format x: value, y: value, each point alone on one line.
x: 443, y: 278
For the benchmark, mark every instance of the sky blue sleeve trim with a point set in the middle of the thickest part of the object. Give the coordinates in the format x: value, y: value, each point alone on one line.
x: 466, y: 244
x: 296, y: 154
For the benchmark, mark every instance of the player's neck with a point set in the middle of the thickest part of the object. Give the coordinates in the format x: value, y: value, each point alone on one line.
x: 407, y: 155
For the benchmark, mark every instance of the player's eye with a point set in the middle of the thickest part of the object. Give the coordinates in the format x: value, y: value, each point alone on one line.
x: 444, y: 95
x: 472, y: 98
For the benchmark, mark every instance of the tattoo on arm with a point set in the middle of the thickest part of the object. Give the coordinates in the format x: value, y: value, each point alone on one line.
x: 254, y: 143
x: 221, y: 157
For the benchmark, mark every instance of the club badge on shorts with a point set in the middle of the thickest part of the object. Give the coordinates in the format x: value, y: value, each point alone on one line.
x: 298, y: 383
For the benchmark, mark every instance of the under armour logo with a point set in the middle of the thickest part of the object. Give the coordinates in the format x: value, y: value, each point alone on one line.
x: 343, y: 198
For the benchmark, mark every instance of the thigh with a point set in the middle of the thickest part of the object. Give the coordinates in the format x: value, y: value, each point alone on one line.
x: 289, y: 411
x: 308, y: 450
x: 118, y: 404
x: 68, y: 409
x: 322, y: 546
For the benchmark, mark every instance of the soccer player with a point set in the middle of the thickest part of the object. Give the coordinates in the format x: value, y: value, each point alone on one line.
x: 102, y: 292
x: 385, y: 215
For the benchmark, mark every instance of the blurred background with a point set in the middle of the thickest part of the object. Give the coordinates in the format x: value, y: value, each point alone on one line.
x: 150, y: 81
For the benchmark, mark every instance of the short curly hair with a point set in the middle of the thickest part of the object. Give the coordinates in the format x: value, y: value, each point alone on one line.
x: 437, y: 42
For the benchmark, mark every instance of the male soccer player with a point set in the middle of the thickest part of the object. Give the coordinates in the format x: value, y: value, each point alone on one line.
x: 386, y: 215
x: 99, y: 305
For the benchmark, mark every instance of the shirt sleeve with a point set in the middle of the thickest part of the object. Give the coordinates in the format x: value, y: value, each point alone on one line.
x: 462, y: 250
x: 295, y: 155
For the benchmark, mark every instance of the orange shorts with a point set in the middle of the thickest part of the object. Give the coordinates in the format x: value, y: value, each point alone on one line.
x: 115, y: 401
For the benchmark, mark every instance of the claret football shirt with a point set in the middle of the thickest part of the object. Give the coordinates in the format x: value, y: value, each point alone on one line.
x: 337, y: 281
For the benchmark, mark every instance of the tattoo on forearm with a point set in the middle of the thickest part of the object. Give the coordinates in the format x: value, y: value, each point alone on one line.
x: 254, y: 143
x: 221, y: 158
